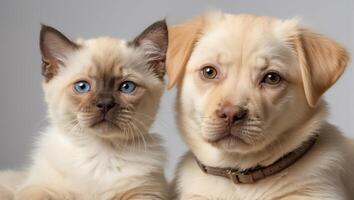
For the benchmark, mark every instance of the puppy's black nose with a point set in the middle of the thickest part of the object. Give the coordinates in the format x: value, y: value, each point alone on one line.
x: 232, y: 114
x: 105, y: 104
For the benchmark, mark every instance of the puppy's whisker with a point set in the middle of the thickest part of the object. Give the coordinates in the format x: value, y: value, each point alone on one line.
x: 207, y: 126
x: 214, y: 131
x: 213, y: 124
x: 254, y: 123
x: 252, y: 129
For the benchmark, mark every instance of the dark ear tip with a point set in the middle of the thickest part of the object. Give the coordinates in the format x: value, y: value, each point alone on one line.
x: 161, y: 24
x: 45, y: 28
x: 157, y: 33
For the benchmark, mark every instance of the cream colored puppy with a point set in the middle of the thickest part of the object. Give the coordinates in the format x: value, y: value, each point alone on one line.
x: 249, y: 107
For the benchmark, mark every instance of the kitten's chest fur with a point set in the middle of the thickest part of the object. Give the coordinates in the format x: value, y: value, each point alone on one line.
x: 84, y: 163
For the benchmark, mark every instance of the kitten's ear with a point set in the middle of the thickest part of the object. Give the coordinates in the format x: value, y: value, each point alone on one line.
x: 322, y: 61
x: 154, y: 40
x: 55, y: 47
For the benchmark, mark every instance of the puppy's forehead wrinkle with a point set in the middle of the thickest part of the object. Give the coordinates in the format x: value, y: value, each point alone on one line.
x: 244, y: 43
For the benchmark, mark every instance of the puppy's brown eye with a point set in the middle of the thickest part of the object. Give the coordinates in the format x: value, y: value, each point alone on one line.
x: 209, y: 72
x: 272, y: 78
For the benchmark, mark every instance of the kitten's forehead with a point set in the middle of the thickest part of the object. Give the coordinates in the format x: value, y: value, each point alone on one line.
x: 105, y: 59
x: 111, y: 57
x: 105, y: 54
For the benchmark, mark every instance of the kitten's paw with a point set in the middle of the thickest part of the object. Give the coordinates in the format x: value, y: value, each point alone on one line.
x: 139, y: 197
x: 5, y: 194
x: 145, y: 192
x: 39, y: 193
x: 135, y: 195
x: 195, y: 197
x: 33, y: 194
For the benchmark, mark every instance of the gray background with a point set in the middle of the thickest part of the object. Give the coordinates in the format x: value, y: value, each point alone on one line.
x: 22, y: 110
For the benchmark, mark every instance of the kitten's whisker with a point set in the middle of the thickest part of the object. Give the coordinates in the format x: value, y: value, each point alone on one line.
x: 70, y: 124
x: 124, y: 130
x: 142, y: 136
x: 131, y: 135
x: 144, y: 127
x: 164, y: 123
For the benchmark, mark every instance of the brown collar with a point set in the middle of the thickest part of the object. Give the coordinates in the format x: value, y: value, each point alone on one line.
x: 255, y: 174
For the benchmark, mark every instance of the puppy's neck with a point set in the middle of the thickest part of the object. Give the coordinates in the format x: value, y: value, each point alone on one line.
x: 287, y: 142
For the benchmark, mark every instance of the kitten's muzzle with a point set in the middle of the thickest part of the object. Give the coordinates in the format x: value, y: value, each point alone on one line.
x: 105, y: 104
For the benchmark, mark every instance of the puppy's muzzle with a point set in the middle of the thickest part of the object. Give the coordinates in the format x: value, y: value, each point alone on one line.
x: 232, y: 115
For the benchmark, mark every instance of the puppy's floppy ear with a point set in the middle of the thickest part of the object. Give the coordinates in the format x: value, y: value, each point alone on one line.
x: 55, y: 48
x: 182, y: 38
x: 154, y: 40
x: 322, y: 62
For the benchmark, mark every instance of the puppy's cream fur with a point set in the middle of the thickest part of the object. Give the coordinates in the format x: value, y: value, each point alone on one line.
x: 243, y: 48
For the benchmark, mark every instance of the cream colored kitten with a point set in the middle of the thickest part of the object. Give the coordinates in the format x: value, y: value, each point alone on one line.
x: 102, y: 95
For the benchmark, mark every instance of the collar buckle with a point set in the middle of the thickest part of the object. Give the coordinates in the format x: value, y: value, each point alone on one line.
x: 239, y: 177
x: 234, y: 176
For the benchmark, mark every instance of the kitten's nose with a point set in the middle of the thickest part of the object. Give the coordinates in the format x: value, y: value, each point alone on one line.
x: 232, y: 114
x: 105, y: 104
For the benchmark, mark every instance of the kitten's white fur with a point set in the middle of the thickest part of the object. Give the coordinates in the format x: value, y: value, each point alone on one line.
x: 93, y: 167
x: 74, y: 162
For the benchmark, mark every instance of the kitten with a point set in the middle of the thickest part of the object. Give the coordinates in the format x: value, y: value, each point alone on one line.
x: 102, y: 96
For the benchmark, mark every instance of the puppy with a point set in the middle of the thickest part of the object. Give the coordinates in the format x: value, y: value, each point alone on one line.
x: 249, y: 106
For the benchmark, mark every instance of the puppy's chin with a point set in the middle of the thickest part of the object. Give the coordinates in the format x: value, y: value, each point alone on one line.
x: 231, y: 143
x: 234, y: 140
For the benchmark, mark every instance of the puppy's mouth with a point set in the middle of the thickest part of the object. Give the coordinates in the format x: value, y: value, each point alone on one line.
x: 229, y: 137
x: 233, y: 136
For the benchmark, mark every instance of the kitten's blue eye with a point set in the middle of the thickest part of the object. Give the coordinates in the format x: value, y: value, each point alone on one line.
x: 127, y: 87
x: 82, y: 87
